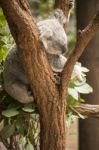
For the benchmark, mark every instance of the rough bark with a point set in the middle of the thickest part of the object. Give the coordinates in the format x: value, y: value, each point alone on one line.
x: 65, y: 5
x: 40, y: 76
x: 89, y: 128
x: 50, y: 98
x: 87, y: 110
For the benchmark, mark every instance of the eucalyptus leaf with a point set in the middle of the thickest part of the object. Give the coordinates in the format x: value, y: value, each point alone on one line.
x: 28, y: 108
x: 3, y: 52
x: 22, y: 142
x: 81, y: 116
x: 7, y: 131
x: 73, y: 93
x: 84, y: 69
x: 10, y: 112
x: 20, y: 125
x: 84, y: 89
x: 29, y: 146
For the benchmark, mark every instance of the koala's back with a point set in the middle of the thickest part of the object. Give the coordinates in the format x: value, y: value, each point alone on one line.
x: 13, y: 68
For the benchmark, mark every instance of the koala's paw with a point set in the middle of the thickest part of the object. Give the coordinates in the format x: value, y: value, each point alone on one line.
x: 30, y: 96
x: 31, y: 99
x: 27, y: 99
x: 57, y: 79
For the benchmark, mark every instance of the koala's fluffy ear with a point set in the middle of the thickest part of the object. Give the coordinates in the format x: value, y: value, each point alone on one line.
x: 59, y: 15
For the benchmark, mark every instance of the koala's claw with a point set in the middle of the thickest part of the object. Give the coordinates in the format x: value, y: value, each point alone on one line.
x: 57, y: 78
x: 31, y: 99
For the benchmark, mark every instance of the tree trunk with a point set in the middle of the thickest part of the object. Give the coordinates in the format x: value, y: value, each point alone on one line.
x: 51, y: 106
x: 53, y: 128
x: 89, y: 128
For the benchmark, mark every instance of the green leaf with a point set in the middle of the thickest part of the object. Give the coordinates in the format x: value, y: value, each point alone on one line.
x: 72, y: 101
x: 81, y: 116
x: 84, y: 69
x: 10, y: 112
x: 20, y: 125
x: 14, y: 105
x: 84, y: 89
x: 29, y: 146
x: 28, y: 108
x: 3, y: 52
x: 7, y: 131
x: 2, y: 18
x: 73, y: 93
x: 78, y: 83
x: 22, y: 142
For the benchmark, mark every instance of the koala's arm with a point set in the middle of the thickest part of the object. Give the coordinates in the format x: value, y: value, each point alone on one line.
x: 57, y: 62
x: 15, y: 81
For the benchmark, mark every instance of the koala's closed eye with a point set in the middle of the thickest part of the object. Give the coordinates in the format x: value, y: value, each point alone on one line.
x: 49, y: 38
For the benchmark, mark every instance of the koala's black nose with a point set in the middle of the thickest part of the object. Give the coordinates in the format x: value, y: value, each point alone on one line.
x: 63, y: 48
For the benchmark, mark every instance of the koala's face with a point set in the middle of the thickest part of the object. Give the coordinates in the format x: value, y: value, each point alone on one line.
x: 57, y: 42
x: 53, y: 36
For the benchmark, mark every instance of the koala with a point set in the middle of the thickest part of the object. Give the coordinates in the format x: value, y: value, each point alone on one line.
x: 52, y: 33
x: 54, y: 39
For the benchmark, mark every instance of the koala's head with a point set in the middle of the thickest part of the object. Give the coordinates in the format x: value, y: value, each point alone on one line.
x: 56, y: 43
x: 52, y: 33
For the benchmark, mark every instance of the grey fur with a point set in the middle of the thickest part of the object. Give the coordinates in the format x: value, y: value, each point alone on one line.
x: 54, y: 40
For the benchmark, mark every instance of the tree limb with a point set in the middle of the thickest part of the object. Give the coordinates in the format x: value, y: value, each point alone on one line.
x: 88, y: 110
x: 83, y: 39
x: 66, y: 6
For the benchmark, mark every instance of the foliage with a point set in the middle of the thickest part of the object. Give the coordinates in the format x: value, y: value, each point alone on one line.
x: 20, y: 123
x: 77, y: 86
x: 41, y: 7
x: 5, y: 37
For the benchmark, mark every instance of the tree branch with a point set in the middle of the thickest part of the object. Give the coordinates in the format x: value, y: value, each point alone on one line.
x: 66, y: 6
x: 88, y: 110
x: 83, y: 39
